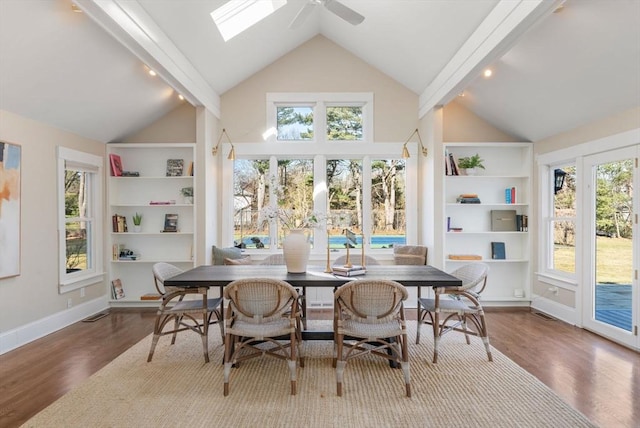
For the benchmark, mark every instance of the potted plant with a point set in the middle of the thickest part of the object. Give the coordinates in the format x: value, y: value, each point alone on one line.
x: 137, y: 222
x: 471, y: 164
x: 187, y: 194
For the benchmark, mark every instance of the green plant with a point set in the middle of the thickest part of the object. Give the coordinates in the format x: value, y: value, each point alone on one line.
x: 186, y: 191
x: 137, y: 219
x: 474, y: 161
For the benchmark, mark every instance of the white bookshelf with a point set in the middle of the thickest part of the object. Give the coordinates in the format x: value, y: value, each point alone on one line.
x: 130, y: 195
x: 506, y: 165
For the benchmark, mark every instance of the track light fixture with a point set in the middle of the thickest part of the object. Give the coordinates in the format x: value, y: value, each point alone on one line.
x: 405, y: 151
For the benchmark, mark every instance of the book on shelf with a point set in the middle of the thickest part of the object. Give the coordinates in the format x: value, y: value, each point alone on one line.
x: 172, y: 202
x: 503, y: 220
x: 507, y: 196
x: 464, y: 257
x: 117, y: 290
x: 347, y: 269
x: 468, y: 198
x: 498, y: 251
x: 522, y: 223
x: 190, y: 170
x: 116, y: 165
x: 350, y: 272
x: 151, y: 296
x: 170, y: 223
x: 119, y: 223
x: 174, y: 167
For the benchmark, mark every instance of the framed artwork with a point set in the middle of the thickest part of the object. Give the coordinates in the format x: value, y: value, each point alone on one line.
x: 10, y: 160
x: 174, y: 167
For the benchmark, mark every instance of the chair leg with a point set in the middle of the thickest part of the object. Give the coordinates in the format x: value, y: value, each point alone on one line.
x: 154, y: 342
x: 435, y: 320
x: 340, y: 364
x: 485, y: 336
x: 405, y: 365
x: 228, y: 364
x: 178, y: 319
x: 205, y: 337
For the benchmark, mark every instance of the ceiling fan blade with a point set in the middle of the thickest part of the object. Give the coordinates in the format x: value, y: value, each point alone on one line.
x: 344, y: 12
x: 302, y: 15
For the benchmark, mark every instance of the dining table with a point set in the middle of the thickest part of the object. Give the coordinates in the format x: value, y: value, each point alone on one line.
x: 315, y: 276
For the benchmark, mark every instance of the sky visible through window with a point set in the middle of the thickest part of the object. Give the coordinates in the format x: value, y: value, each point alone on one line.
x: 236, y: 16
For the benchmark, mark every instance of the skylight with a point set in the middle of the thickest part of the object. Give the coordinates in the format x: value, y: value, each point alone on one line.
x: 235, y: 16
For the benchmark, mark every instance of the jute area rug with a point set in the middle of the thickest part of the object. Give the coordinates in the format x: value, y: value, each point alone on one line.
x: 177, y: 389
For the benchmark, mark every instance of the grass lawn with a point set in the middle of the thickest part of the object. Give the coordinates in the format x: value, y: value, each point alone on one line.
x: 613, y: 259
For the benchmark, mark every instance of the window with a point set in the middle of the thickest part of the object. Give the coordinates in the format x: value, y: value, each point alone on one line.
x: 80, y: 219
x: 563, y: 221
x: 339, y: 176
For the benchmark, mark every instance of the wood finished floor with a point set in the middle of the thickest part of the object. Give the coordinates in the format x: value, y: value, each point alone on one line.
x: 594, y: 375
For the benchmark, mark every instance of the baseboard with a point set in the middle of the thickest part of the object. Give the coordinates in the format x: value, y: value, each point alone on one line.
x: 22, y: 335
x: 556, y: 310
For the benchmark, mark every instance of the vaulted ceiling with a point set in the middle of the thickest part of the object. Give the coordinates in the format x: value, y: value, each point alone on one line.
x: 553, y: 69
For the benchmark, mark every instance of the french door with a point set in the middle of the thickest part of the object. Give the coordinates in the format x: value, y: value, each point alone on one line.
x: 611, y: 298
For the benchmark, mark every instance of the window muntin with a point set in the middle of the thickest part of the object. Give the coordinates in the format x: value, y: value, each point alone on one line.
x: 344, y: 123
x: 80, y: 219
x: 294, y: 123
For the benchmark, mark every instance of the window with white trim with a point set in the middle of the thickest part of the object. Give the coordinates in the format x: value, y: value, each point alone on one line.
x: 80, y: 219
x: 337, y: 176
x: 560, y: 221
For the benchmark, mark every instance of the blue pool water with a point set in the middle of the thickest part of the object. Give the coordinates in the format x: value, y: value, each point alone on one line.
x: 377, y: 241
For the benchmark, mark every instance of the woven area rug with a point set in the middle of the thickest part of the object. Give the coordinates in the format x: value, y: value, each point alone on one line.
x: 177, y: 389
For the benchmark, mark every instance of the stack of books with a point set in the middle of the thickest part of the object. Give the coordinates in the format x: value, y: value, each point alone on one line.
x: 349, y: 271
x: 468, y: 198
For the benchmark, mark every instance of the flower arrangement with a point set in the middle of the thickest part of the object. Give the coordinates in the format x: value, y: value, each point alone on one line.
x: 186, y: 191
x: 290, y: 218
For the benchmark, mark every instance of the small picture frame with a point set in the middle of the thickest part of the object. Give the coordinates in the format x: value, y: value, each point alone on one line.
x: 118, y: 289
x: 175, y: 167
x: 170, y: 223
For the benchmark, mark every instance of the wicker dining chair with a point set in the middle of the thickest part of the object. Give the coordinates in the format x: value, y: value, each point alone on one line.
x: 356, y: 260
x: 259, y: 313
x: 369, y: 319
x: 195, y: 313
x: 410, y: 254
x: 453, y: 309
x: 273, y: 259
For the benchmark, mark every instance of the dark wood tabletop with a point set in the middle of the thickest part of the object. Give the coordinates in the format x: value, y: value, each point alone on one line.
x: 407, y: 275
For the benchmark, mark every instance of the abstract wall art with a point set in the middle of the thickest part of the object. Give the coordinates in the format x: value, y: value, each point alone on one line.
x: 10, y: 160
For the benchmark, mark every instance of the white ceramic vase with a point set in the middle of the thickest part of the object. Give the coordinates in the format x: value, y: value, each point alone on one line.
x: 470, y: 171
x: 296, y: 249
x: 137, y: 228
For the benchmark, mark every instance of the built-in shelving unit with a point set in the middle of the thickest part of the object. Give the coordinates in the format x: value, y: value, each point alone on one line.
x: 507, y: 165
x: 130, y: 195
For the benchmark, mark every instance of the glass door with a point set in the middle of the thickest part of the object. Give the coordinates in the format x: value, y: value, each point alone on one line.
x: 611, y: 301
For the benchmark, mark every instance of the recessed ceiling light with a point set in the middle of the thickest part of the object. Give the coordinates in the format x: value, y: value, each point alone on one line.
x: 152, y: 73
x: 487, y: 73
x: 180, y: 97
x: 75, y: 8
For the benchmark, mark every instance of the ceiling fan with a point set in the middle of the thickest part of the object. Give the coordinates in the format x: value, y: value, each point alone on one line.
x: 334, y: 6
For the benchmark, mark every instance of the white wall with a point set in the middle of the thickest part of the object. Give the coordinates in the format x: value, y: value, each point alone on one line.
x: 30, y: 305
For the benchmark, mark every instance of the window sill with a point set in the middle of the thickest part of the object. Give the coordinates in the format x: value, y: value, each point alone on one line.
x: 557, y: 280
x: 76, y: 283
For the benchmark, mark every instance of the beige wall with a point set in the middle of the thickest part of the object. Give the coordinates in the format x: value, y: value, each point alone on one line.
x: 319, y: 65
x: 462, y: 125
x: 34, y: 294
x: 604, y: 127
x: 177, y: 126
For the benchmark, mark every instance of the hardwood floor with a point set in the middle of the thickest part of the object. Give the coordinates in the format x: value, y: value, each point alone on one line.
x: 596, y: 376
